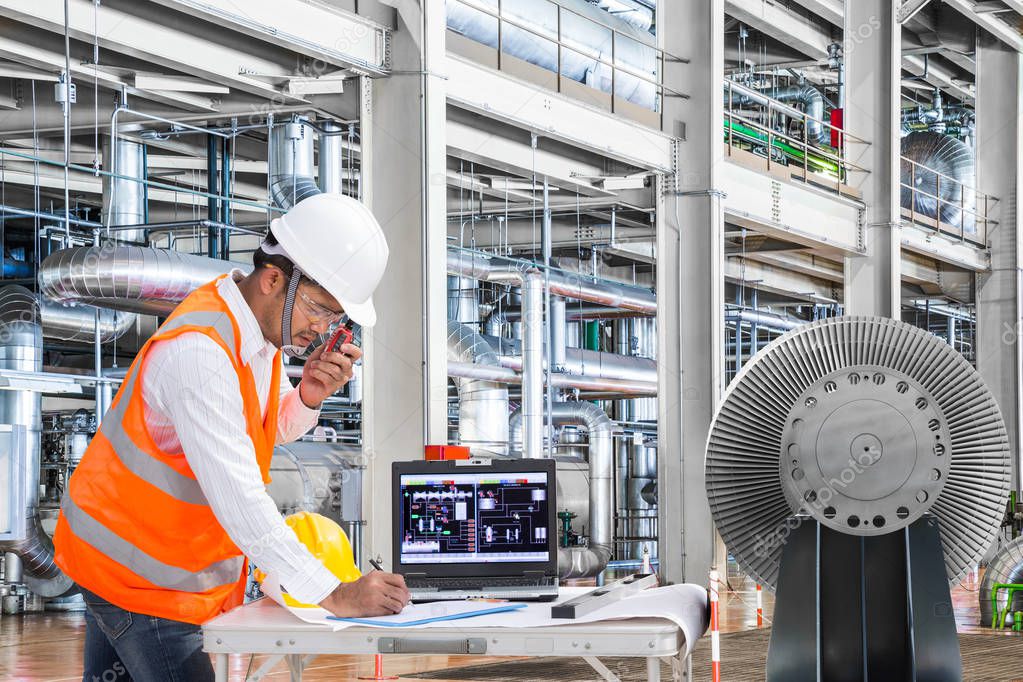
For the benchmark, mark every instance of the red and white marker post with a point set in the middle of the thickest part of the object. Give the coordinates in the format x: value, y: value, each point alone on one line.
x: 378, y: 670
x: 715, y: 635
x: 760, y: 607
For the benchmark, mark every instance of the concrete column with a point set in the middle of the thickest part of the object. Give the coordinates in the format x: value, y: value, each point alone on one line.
x: 999, y: 105
x: 690, y: 287
x: 403, y: 157
x: 873, y: 74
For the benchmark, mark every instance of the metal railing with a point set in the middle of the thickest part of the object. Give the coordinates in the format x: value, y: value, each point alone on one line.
x: 556, y: 37
x: 752, y: 119
x: 965, y: 215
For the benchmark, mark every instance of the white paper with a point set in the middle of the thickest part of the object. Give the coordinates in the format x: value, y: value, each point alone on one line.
x: 685, y: 605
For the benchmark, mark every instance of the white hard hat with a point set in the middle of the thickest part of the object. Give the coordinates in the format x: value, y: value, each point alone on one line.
x: 336, y: 241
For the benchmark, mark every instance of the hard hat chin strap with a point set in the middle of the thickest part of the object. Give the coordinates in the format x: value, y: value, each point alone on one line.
x: 289, y: 306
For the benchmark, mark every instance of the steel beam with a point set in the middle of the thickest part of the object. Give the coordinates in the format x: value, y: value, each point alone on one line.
x: 404, y: 169
x: 776, y: 21
x: 830, y: 10
x: 315, y: 30
x: 51, y: 62
x: 185, y: 48
x: 873, y: 93
x: 990, y: 23
x: 999, y: 349
x: 690, y: 291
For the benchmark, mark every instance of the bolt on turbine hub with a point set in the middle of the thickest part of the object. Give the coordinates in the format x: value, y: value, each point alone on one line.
x: 863, y: 424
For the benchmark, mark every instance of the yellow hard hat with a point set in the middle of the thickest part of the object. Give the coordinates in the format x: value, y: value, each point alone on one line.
x: 327, y: 542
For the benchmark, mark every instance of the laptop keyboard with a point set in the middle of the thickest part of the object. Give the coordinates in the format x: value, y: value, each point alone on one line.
x: 476, y: 583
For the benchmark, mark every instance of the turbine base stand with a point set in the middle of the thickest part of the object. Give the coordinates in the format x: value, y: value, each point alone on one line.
x: 851, y: 608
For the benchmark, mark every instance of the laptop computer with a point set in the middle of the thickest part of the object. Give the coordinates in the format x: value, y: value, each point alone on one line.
x: 476, y: 529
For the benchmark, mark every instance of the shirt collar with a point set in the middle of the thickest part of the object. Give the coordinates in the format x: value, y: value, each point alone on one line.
x: 252, y: 342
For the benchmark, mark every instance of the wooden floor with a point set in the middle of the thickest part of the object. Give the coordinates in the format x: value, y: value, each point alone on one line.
x: 48, y: 646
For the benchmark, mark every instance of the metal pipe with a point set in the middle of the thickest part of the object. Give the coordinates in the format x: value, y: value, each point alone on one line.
x: 290, y: 163
x: 77, y: 322
x: 213, y: 187
x: 575, y: 286
x: 21, y: 329
x: 813, y: 106
x: 130, y: 278
x: 482, y: 404
x: 331, y: 153
x: 124, y: 196
x: 532, y: 363
x: 504, y: 375
x: 763, y: 319
x: 559, y: 329
x: 225, y: 191
x: 584, y: 562
x: 580, y: 362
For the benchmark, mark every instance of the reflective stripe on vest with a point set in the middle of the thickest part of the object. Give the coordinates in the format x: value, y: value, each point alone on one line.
x: 136, y: 460
x: 128, y: 555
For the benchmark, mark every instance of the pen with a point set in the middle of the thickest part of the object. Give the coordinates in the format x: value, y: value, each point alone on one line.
x: 376, y: 564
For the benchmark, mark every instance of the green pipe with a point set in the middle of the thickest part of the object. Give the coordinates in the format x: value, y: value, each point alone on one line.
x: 592, y: 335
x: 815, y: 162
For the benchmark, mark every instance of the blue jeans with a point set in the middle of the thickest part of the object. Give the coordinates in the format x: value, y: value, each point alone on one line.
x: 122, y: 645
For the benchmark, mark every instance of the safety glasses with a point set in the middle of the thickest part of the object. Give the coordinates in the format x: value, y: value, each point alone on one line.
x: 318, y: 313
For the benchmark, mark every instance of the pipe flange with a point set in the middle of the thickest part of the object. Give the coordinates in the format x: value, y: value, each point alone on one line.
x: 866, y: 451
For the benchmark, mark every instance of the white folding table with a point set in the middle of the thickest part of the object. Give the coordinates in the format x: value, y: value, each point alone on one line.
x: 263, y: 627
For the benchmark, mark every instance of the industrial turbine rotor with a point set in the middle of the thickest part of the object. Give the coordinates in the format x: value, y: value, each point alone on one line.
x: 863, y: 424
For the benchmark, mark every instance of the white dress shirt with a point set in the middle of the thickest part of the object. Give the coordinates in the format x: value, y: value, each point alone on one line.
x: 193, y: 404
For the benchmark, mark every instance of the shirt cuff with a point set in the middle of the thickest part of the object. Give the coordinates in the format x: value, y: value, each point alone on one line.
x: 311, y: 583
x: 295, y: 418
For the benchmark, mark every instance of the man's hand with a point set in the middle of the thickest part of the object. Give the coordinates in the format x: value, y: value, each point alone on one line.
x: 375, y: 594
x: 326, y: 373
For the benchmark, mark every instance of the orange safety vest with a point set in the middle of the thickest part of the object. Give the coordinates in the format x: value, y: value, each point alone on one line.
x: 135, y: 527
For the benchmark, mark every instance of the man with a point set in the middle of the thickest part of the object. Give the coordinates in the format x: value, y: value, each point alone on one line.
x: 169, y: 498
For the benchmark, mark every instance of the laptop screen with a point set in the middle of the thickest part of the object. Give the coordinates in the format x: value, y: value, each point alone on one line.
x: 474, y: 517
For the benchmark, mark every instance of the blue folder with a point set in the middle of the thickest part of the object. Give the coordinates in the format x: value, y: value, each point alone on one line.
x: 433, y: 619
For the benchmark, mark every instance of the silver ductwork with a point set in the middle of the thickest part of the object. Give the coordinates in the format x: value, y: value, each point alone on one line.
x: 631, y: 12
x: 291, y: 163
x: 1005, y: 567
x: 571, y: 285
x: 129, y: 278
x: 78, y: 322
x: 331, y: 154
x: 764, y: 319
x: 950, y: 157
x: 586, y: 38
x: 593, y: 387
x: 482, y: 404
x: 124, y: 196
x: 532, y: 363
x: 21, y: 329
x: 812, y: 102
x: 584, y: 562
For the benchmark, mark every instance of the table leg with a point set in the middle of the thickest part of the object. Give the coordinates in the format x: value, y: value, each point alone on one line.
x: 295, y: 665
x: 653, y: 669
x: 220, y: 673
x: 602, y: 669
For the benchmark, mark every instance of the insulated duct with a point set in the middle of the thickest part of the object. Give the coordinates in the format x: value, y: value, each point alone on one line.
x: 812, y: 101
x: 291, y: 163
x: 585, y: 562
x: 331, y: 153
x: 1006, y: 567
x: 482, y: 404
x: 78, y: 322
x: 124, y: 196
x: 585, y: 35
x: 130, y: 278
x: 21, y: 329
x: 950, y: 157
x: 532, y: 363
x: 571, y: 285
